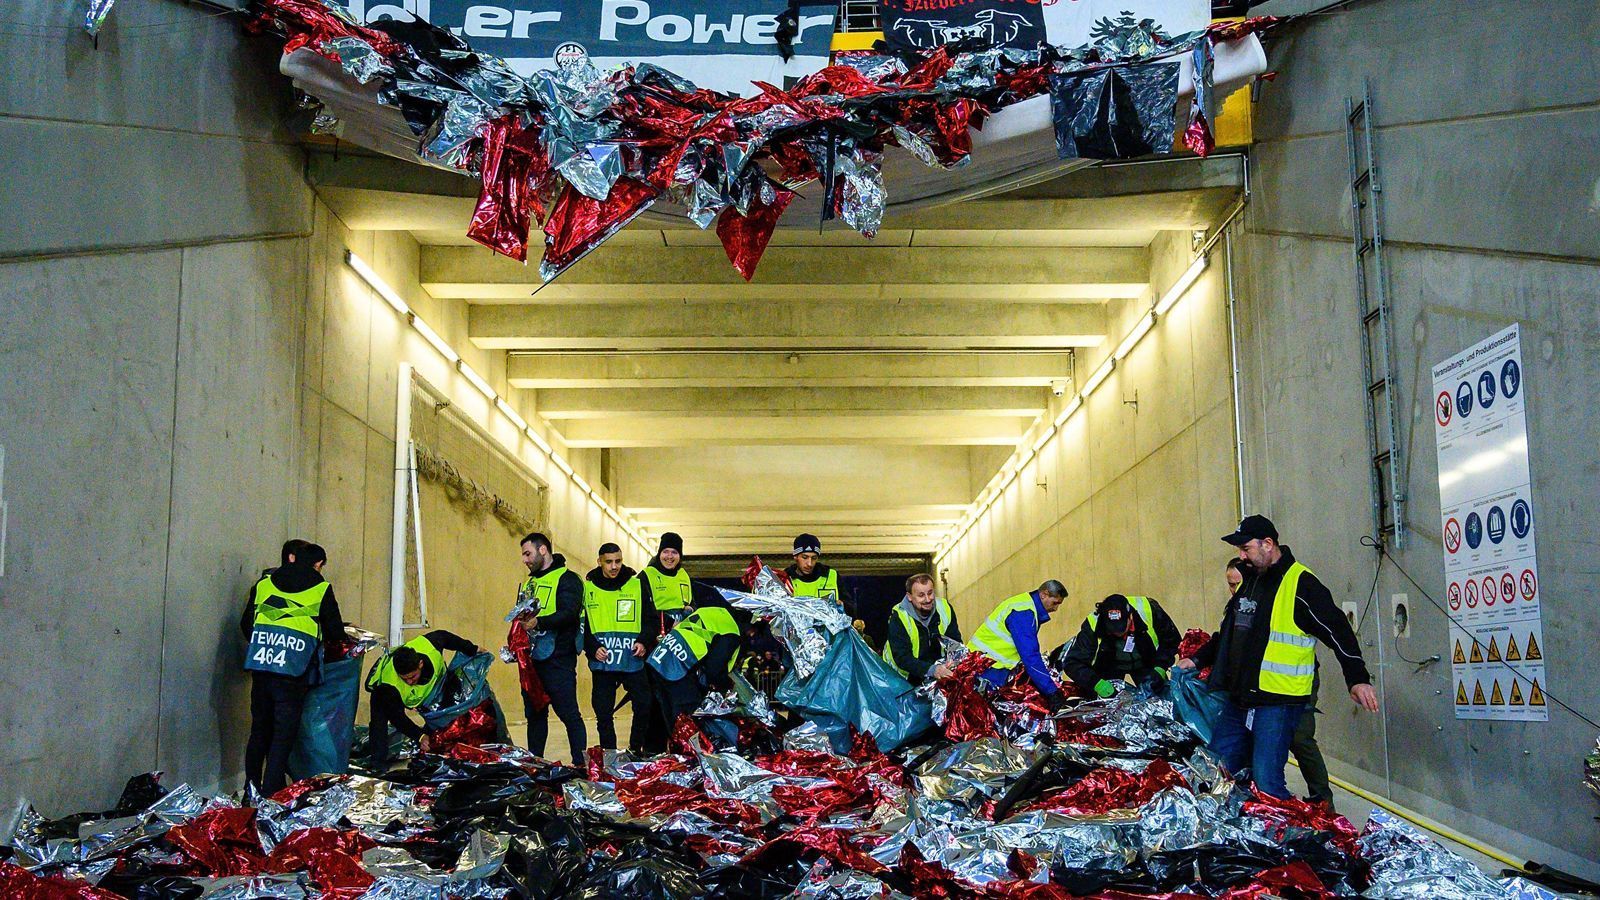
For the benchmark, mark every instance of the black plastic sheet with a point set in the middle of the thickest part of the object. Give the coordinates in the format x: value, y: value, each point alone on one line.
x: 1116, y: 113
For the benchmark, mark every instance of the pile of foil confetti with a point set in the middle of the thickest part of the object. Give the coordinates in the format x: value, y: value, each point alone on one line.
x: 585, y: 152
x: 1115, y: 800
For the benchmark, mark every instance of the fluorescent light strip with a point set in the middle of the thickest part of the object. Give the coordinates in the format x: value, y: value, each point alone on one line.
x: 434, y: 340
x: 1179, y: 287
x: 1067, y: 411
x: 1044, y: 438
x: 1140, y: 329
x: 1099, y: 376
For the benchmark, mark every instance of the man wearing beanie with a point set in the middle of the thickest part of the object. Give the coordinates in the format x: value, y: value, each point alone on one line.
x: 667, y: 592
x: 808, y: 576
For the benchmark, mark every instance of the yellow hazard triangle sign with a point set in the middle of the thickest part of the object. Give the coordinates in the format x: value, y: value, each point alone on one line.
x: 1516, y: 692
x: 1461, y: 693
x: 1512, y: 653
x: 1458, y: 656
x: 1494, y: 651
x: 1477, y: 651
x: 1535, y: 696
x: 1495, y: 697
x: 1477, y: 693
x: 1532, y: 651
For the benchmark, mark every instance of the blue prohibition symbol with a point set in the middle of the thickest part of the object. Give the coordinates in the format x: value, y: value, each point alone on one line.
x: 1464, y: 400
x: 1474, y: 530
x: 1486, y: 390
x: 1521, y: 519
x: 1496, y: 524
x: 1510, y: 379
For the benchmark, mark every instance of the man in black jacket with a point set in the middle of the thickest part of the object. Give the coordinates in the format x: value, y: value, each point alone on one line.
x: 619, y: 630
x: 918, y: 625
x: 281, y: 612
x: 551, y: 600
x: 1125, y: 637
x: 1264, y: 656
x: 409, y: 668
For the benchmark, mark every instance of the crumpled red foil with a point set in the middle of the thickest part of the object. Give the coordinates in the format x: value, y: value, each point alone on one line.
x: 1282, y: 814
x: 578, y: 224
x: 1108, y: 788
x: 1295, y: 881
x: 643, y: 796
x: 931, y: 879
x: 17, y: 883
x: 513, y: 168
x: 968, y: 714
x: 332, y: 857
x: 221, y: 842
x: 1195, y: 640
x: 833, y: 843
x: 520, y: 644
x: 745, y: 237
x: 288, y: 795
x: 323, y: 25
x: 478, y: 725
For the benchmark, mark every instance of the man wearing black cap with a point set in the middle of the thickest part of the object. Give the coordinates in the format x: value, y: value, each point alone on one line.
x: 1264, y: 656
x: 808, y: 576
x: 1125, y: 637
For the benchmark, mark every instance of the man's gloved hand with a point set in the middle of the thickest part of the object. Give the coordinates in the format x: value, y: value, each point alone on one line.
x: 1056, y: 700
x: 1104, y: 689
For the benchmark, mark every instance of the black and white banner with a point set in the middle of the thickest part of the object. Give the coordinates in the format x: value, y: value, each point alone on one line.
x: 720, y: 44
x: 1024, y: 24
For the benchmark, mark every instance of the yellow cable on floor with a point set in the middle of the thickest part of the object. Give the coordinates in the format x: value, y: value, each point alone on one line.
x: 1422, y: 821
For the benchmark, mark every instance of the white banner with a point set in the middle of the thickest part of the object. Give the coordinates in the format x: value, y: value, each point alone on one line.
x: 1486, y: 510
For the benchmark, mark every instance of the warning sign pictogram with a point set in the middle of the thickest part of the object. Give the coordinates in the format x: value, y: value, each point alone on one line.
x: 1532, y: 652
x: 1453, y: 594
x: 1452, y: 535
x: 1477, y: 652
x: 1495, y: 697
x: 1530, y: 584
x: 1535, y: 696
x: 1477, y: 693
x: 1508, y: 587
x: 1442, y: 409
x: 1494, y: 650
x: 1461, y: 693
x: 1458, y: 656
x: 1491, y: 590
x: 1512, y: 653
x: 1472, y: 594
x: 1516, y: 692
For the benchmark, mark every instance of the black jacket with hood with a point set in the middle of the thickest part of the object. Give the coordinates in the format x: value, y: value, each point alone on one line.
x: 568, y: 615
x: 1235, y: 652
x: 292, y: 579
x: 1097, y: 654
x: 649, y: 626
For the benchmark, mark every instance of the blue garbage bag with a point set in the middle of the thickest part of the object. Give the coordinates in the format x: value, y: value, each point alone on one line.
x: 853, y: 686
x: 456, y: 695
x: 328, y: 722
x: 1195, y: 701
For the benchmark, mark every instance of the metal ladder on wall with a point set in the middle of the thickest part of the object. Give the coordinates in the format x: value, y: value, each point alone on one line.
x: 1377, y: 337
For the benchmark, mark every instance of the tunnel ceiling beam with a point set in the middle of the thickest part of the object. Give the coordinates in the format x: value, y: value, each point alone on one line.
x: 989, y: 369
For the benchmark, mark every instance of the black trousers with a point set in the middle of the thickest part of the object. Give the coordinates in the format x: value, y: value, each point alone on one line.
x: 275, y: 706
x: 603, y: 697
x: 559, y: 674
x: 1308, y: 754
x: 675, y: 698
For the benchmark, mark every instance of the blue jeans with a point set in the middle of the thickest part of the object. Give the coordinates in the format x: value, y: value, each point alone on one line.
x: 1262, y: 746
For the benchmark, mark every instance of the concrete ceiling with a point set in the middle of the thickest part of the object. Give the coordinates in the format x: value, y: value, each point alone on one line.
x: 864, y: 391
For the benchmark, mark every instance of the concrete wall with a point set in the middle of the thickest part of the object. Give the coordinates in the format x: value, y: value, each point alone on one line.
x: 1124, y: 499
x: 152, y: 277
x: 1490, y: 201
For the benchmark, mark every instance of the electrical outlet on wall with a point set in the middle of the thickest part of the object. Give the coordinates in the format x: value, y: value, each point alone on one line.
x: 1400, y: 614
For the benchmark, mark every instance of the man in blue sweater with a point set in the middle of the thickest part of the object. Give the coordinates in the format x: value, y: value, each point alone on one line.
x: 1010, y: 637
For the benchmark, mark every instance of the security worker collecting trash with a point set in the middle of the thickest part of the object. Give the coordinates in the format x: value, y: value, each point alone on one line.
x: 551, y: 598
x: 808, y: 576
x: 407, y: 677
x: 617, y: 617
x: 696, y: 656
x: 1126, y: 637
x: 1010, y: 637
x: 666, y: 585
x: 1265, y: 656
x: 287, y: 616
x: 918, y: 625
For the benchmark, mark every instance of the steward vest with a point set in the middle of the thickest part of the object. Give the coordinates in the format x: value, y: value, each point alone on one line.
x: 411, y: 695
x: 287, y: 632
x: 671, y: 595
x: 826, y: 587
x: 686, y: 644
x: 615, y: 618
x: 904, y: 615
x: 1289, y: 664
x: 993, y: 638
x: 542, y: 642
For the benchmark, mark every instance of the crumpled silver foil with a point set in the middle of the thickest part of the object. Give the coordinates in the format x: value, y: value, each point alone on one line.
x: 100, y: 839
x: 255, y: 887
x: 802, y: 624
x: 862, y: 201
x: 324, y: 809
x: 94, y: 15
x: 484, y: 854
x: 402, y: 889
x: 827, y: 882
x: 589, y: 796
x: 1591, y: 770
x: 729, y: 775
x: 1409, y: 865
x: 1144, y: 724
x: 807, y: 737
x: 972, y: 771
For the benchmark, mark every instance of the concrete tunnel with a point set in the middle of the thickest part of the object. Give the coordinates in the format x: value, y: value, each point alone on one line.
x: 218, y: 332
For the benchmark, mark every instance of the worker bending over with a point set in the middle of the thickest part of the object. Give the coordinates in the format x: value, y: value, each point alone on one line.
x: 696, y: 656
x: 1124, y: 638
x: 287, y: 615
x: 1265, y: 656
x: 1010, y: 637
x: 409, y: 677
x: 918, y: 625
x: 552, y: 599
x: 617, y: 617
